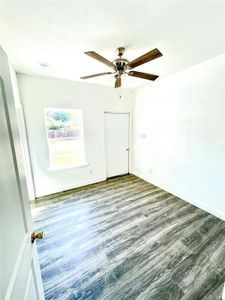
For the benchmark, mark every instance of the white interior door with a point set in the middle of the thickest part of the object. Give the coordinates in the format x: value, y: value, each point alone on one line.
x: 117, y: 143
x: 20, y: 277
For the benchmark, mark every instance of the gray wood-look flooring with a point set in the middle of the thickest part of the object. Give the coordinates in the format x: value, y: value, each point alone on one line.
x: 127, y: 239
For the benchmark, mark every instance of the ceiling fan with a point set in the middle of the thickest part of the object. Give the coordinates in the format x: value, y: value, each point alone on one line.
x: 122, y: 65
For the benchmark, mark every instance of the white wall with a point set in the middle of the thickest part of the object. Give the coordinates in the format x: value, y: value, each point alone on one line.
x: 179, y: 135
x: 38, y: 93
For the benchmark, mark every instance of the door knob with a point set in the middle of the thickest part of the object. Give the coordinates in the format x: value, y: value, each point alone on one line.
x: 35, y: 236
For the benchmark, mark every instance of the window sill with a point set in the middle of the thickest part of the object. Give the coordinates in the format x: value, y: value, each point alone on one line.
x: 68, y: 167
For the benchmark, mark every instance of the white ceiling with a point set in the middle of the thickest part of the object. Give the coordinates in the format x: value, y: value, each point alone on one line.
x: 58, y: 33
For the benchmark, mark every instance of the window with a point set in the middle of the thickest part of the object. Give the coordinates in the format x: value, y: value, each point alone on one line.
x: 65, y: 137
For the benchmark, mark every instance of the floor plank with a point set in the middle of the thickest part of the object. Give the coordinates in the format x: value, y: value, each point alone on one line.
x: 127, y: 239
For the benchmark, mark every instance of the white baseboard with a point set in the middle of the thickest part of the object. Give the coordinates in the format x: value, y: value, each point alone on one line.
x: 217, y: 213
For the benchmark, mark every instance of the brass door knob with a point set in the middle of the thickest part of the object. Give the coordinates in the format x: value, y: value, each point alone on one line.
x: 35, y: 236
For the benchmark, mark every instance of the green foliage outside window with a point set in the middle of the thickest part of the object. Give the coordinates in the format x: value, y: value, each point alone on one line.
x: 57, y: 120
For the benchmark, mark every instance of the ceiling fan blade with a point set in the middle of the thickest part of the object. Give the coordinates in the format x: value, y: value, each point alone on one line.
x: 96, y: 75
x: 153, y: 54
x: 100, y: 58
x: 143, y: 75
x: 118, y: 82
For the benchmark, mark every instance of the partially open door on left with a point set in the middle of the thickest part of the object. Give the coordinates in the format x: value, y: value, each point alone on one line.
x: 20, y: 277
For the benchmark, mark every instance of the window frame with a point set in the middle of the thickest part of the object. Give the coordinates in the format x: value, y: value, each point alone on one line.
x: 72, y: 165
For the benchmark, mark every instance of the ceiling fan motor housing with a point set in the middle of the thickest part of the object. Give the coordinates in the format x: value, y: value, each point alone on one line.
x: 120, y: 64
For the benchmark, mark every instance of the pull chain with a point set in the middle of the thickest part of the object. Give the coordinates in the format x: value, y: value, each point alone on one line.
x: 119, y: 96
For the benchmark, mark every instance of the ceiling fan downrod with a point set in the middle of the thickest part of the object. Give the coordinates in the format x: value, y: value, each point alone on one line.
x: 120, y: 51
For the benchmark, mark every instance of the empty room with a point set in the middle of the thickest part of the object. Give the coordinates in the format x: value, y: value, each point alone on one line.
x: 112, y: 163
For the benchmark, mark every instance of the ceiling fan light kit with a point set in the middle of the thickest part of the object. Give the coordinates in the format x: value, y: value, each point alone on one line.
x: 122, y: 66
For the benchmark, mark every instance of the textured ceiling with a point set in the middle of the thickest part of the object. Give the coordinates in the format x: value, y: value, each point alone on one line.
x: 58, y: 33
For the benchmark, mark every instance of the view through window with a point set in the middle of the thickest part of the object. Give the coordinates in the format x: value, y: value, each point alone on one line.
x: 65, y: 137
